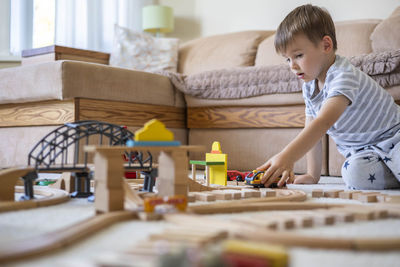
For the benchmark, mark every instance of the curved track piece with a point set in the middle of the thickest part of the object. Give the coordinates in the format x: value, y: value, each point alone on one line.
x: 50, y: 197
x: 132, y: 199
x: 8, y: 179
x: 197, y: 187
x: 62, y: 238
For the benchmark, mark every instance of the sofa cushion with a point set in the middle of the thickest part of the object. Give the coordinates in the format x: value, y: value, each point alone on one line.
x: 386, y: 35
x: 220, y: 51
x: 59, y: 80
x: 353, y: 37
x: 266, y: 54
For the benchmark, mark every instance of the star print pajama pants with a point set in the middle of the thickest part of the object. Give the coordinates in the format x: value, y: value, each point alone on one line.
x: 374, y: 167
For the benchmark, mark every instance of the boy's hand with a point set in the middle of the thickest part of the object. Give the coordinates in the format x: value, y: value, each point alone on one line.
x: 276, y: 166
x: 305, y: 179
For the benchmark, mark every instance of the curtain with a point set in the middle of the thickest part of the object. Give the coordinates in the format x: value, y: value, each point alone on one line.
x: 21, y: 25
x: 89, y: 24
x: 5, y: 7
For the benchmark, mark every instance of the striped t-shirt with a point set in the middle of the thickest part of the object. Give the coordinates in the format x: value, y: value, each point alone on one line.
x: 372, y: 115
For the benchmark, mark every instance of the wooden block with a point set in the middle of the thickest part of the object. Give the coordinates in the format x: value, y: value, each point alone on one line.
x: 361, y: 213
x: 194, y: 172
x: 368, y: 198
x: 236, y: 194
x: 355, y: 195
x: 341, y: 215
x: 8, y: 178
x: 249, y: 193
x: 317, y: 193
x: 181, y: 190
x: 267, y: 192
x: 392, y: 199
x: 381, y: 197
x: 379, y: 213
x: 320, y: 217
x: 358, y: 195
x: 65, y: 182
x: 286, y: 223
x: 221, y: 195
x: 304, y: 221
x: 150, y: 216
x: 191, y: 197
x: 350, y: 195
x: 345, y: 194
x: 203, y: 196
x: 109, y: 199
x: 332, y: 193
x: 283, y: 221
x: 299, y: 220
x: 109, y: 169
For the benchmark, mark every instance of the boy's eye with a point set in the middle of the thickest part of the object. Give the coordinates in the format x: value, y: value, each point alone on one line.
x: 299, y: 55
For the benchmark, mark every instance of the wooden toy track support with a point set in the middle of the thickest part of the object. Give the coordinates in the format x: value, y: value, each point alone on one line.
x: 8, y: 179
x: 172, y: 173
x: 60, y: 151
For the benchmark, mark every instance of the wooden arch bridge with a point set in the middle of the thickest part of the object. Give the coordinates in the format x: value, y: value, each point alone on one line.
x: 62, y: 151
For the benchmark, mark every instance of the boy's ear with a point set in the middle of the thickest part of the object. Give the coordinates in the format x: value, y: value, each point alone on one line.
x: 327, y: 43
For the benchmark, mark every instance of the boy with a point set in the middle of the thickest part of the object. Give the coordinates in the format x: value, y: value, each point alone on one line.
x: 359, y: 115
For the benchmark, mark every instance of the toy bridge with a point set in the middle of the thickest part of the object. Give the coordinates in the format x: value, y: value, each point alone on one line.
x: 61, y: 151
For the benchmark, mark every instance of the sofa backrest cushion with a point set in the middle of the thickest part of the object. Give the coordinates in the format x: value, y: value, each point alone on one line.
x: 386, y: 35
x: 220, y: 51
x: 266, y: 54
x: 353, y: 37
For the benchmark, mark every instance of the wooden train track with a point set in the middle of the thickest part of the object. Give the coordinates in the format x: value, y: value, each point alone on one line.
x: 285, y: 200
x: 48, y: 196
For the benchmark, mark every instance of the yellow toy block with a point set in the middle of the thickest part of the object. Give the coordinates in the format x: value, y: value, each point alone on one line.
x: 275, y: 255
x: 154, y: 130
x: 218, y: 173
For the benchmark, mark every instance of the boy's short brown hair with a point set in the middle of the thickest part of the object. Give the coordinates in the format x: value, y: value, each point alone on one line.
x: 310, y: 20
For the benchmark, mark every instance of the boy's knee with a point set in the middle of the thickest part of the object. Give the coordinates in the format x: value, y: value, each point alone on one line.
x: 367, y: 172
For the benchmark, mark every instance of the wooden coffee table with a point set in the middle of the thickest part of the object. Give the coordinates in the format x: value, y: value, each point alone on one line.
x: 56, y: 52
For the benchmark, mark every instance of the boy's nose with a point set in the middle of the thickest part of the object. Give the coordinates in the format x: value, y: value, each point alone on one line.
x: 294, y: 66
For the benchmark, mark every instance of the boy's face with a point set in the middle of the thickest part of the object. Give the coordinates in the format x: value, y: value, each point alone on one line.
x: 306, y: 59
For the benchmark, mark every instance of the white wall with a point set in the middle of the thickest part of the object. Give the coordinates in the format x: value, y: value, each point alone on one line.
x: 197, y: 18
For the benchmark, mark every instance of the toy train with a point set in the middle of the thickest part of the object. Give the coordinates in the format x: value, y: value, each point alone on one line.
x: 254, y: 178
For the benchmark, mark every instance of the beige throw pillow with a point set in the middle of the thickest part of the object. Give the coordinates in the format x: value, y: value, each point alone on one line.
x: 220, y: 51
x: 386, y: 35
x: 142, y: 51
x: 266, y: 53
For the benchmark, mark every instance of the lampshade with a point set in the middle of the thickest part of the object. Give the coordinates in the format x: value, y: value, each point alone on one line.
x: 158, y: 19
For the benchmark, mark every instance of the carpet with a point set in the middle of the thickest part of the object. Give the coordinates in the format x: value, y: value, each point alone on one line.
x: 19, y: 225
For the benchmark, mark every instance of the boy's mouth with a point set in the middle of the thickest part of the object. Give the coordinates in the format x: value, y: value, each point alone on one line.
x: 300, y: 75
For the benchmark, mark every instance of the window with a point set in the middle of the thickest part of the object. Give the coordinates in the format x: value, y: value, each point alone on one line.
x: 43, y: 23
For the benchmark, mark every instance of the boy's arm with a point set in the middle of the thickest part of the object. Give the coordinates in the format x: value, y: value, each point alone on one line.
x: 282, y: 163
x: 314, y: 163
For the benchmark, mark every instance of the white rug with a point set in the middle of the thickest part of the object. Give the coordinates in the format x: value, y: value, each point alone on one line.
x: 120, y: 237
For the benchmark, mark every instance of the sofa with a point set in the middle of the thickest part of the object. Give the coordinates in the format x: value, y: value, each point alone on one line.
x: 37, y: 98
